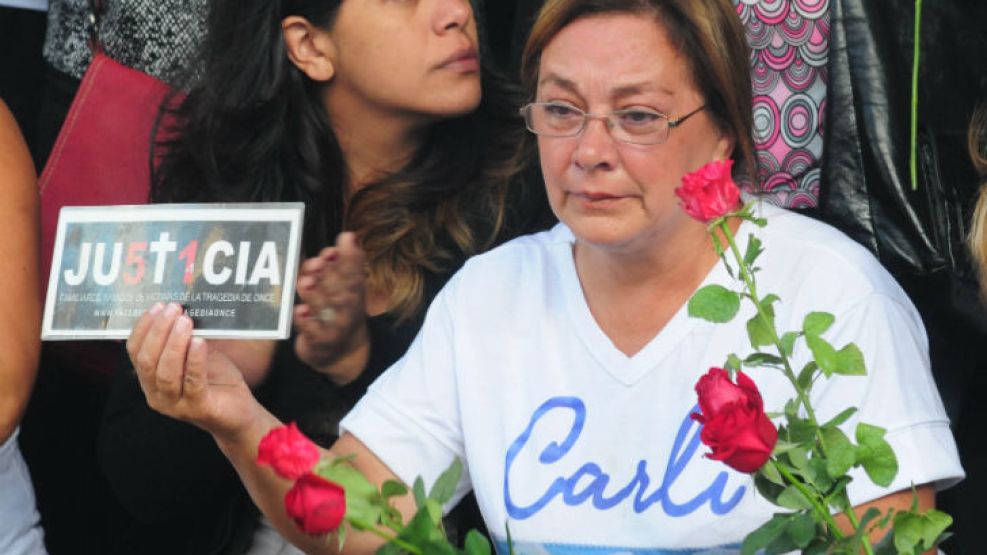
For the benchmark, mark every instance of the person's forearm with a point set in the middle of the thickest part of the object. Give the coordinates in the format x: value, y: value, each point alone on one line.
x: 267, y: 490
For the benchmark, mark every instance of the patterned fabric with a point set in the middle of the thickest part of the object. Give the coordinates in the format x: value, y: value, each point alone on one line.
x: 158, y: 37
x: 789, y: 41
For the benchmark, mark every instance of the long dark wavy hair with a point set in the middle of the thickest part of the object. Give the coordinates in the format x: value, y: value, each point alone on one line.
x: 253, y: 128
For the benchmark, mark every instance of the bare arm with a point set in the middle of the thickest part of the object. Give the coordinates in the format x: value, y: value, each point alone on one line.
x: 185, y: 378
x: 20, y: 307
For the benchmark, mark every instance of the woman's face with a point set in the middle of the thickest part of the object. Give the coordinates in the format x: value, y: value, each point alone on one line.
x: 611, y: 194
x: 411, y: 57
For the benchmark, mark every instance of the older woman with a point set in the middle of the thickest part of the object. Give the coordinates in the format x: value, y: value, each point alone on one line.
x: 560, y: 366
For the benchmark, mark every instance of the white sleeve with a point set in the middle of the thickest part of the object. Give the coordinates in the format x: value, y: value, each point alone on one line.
x: 410, y: 416
x: 898, y: 394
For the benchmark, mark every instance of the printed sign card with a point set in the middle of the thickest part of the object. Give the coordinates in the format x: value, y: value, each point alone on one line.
x: 232, y: 266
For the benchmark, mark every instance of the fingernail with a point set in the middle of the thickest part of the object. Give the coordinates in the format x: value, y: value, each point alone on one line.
x: 183, y: 324
x: 156, y: 308
x: 173, y: 308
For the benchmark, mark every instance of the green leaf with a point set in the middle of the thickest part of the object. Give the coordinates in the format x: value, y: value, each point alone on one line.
x: 794, y: 499
x: 921, y: 531
x: 765, y: 534
x: 362, y: 497
x: 418, y: 489
x: 799, y: 458
x: 770, y: 473
x: 801, y: 529
x: 821, y: 478
x: 788, y: 342
x: 754, y: 249
x: 476, y: 544
x: 759, y: 330
x: 840, y: 418
x: 936, y: 524
x: 340, y: 537
x: 816, y: 323
x: 767, y: 489
x: 800, y: 430
x: 824, y: 354
x: 837, y: 497
x: 767, y: 304
x: 419, y: 528
x: 907, y: 532
x: 840, y: 453
x: 850, y: 361
x: 393, y: 488
x: 445, y: 486
x: 792, y: 409
x: 807, y: 376
x: 763, y: 359
x: 714, y: 303
x: 434, y: 510
x: 388, y: 549
x: 781, y: 544
x: 875, y: 455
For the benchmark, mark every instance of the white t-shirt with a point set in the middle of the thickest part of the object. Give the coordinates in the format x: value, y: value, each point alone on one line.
x: 39, y: 5
x: 20, y: 528
x: 582, y: 449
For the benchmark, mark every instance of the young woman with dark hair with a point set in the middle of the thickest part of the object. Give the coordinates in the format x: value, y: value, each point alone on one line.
x: 376, y: 116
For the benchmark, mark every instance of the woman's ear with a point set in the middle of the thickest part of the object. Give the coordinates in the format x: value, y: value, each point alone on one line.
x: 309, y: 48
x: 723, y: 149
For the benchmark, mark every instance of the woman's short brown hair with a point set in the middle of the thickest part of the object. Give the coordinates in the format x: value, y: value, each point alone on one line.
x: 708, y: 34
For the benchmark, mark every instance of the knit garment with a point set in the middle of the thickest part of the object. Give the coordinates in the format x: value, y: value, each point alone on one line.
x: 158, y: 37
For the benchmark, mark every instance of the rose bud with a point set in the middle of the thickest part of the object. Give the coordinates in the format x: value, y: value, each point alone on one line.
x: 288, y: 451
x: 734, y: 424
x: 709, y: 192
x: 315, y: 504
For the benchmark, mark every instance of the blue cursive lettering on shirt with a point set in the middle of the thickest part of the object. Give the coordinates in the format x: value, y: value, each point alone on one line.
x: 596, y: 480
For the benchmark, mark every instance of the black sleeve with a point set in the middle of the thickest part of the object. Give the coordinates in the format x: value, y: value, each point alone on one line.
x: 158, y: 467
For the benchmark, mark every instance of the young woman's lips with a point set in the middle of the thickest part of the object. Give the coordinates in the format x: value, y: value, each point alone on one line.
x: 464, y: 60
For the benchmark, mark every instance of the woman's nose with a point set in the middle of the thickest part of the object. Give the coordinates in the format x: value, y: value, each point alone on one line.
x: 452, y: 14
x: 596, y: 148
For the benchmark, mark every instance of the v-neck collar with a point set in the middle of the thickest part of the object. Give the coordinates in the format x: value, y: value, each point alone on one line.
x: 628, y: 370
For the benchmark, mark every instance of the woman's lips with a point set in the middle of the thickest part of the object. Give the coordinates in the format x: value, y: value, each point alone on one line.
x: 464, y: 60
x: 597, y: 199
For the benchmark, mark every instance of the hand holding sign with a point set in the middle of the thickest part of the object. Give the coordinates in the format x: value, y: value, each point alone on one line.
x: 184, y: 378
x: 332, y: 318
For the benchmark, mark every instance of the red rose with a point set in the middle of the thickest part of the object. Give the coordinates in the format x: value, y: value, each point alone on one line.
x: 288, y: 451
x: 734, y: 424
x: 709, y: 192
x: 316, y: 504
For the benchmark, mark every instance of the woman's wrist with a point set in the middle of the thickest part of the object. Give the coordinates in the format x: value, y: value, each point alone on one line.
x: 348, y: 367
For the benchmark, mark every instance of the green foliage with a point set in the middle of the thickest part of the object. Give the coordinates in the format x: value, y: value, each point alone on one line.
x: 808, y: 470
x: 714, y: 303
x: 370, y: 509
x: 816, y: 323
x: 754, y: 249
x: 788, y: 343
x: 918, y: 532
x: 445, y: 486
x: 875, y: 455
